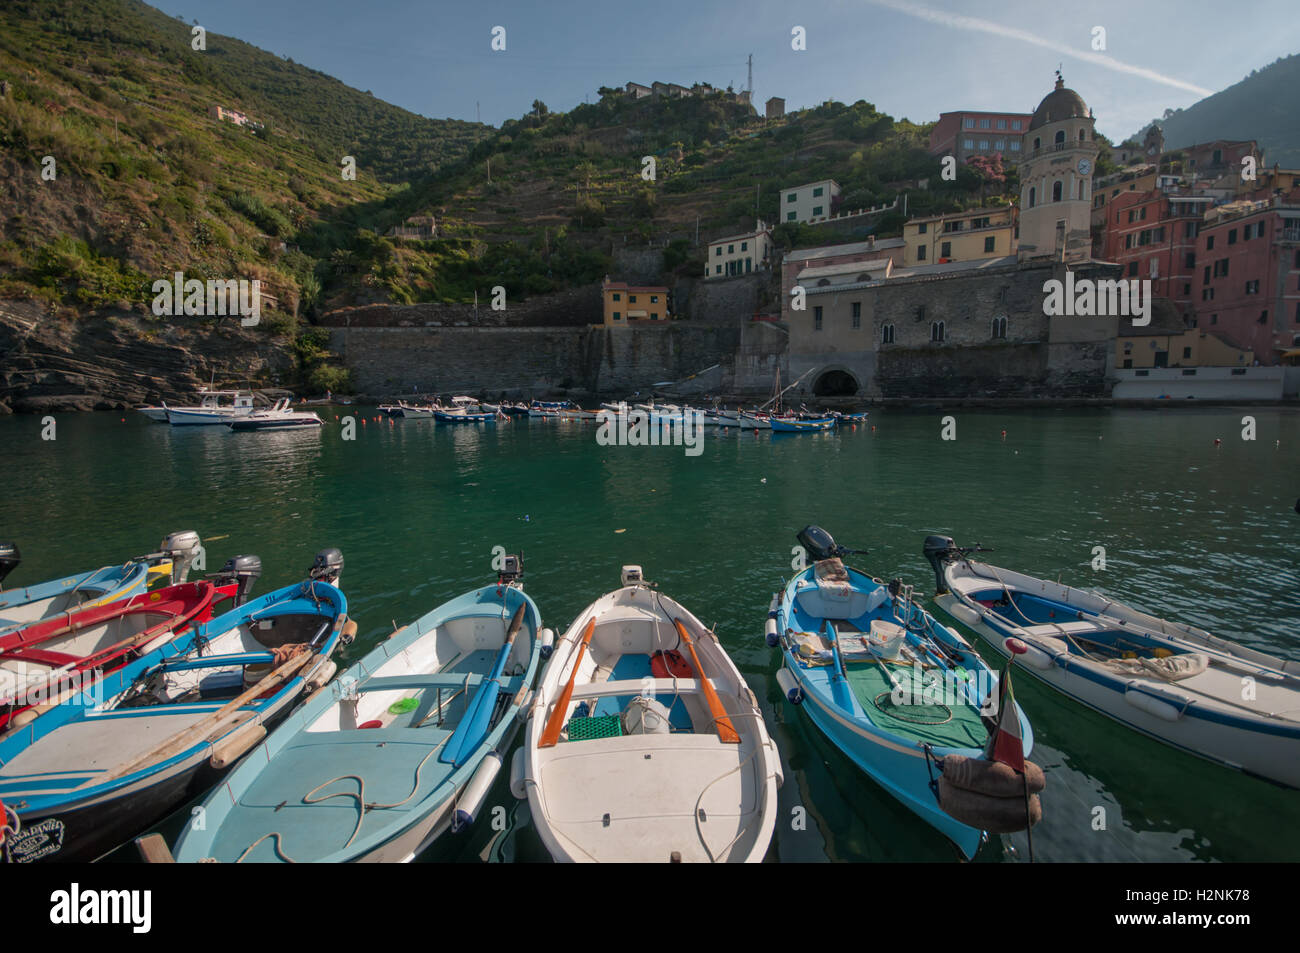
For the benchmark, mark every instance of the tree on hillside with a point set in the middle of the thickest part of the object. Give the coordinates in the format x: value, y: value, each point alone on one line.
x: 990, y: 171
x: 539, y: 109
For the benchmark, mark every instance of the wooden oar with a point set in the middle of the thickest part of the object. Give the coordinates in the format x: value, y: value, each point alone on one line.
x: 726, y: 732
x: 551, y: 734
x: 474, y: 723
x: 187, y: 737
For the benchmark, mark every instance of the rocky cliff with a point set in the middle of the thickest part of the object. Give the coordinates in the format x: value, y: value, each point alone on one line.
x: 118, y: 359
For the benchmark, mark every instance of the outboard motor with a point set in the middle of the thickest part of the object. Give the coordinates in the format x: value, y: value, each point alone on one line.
x: 939, y: 550
x: 182, y: 549
x: 328, y: 566
x: 512, y: 568
x: 10, y: 557
x: 243, y: 571
x: 818, y: 543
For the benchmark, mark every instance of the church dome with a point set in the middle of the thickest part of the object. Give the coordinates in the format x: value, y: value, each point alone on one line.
x: 1059, y: 104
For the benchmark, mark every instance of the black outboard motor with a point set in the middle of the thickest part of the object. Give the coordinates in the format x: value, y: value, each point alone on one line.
x: 818, y: 543
x: 182, y: 549
x: 10, y: 557
x: 512, y: 567
x: 328, y: 566
x: 939, y: 550
x: 244, y: 571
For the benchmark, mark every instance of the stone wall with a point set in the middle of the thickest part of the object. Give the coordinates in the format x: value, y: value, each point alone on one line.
x: 727, y: 299
x: 572, y: 308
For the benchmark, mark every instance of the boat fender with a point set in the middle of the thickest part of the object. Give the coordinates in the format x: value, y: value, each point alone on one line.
x: 670, y: 664
x: 23, y: 718
x: 236, y: 744
x: 321, y: 676
x: 964, y: 613
x: 518, y: 774
x: 790, y: 685
x: 1035, y: 657
x: 646, y: 716
x: 997, y: 815
x: 772, y: 606
x: 1139, y: 699
x: 524, y: 704
x: 348, y: 634
x: 991, y: 777
x: 770, y: 634
x: 548, y: 643
x: 475, y: 793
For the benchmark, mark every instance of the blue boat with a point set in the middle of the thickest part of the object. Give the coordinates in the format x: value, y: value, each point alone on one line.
x: 400, y: 748
x: 889, y: 686
x: 106, y: 764
x: 21, y: 607
x: 451, y: 417
x: 797, y: 425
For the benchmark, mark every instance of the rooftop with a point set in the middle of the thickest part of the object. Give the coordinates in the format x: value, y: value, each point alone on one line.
x: 852, y: 248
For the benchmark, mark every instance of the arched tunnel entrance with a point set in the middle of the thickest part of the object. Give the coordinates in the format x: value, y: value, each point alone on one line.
x: 835, y: 383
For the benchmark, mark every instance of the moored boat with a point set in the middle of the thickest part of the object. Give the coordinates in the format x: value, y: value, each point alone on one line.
x: 643, y: 741
x: 898, y: 693
x: 1170, y: 681
x: 27, y: 604
x: 102, y: 766
x: 279, y: 417
x: 210, y: 410
x: 402, y: 747
x: 798, y: 425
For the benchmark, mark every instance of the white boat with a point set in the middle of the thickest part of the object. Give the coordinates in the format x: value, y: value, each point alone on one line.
x: 755, y: 422
x: 210, y: 410
x: 643, y: 741
x: 279, y: 417
x: 412, y: 411
x: 1172, y: 682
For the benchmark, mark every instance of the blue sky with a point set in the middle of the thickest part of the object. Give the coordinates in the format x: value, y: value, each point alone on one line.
x: 912, y: 60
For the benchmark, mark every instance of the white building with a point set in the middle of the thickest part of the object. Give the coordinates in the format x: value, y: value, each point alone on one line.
x: 810, y: 202
x: 739, y: 254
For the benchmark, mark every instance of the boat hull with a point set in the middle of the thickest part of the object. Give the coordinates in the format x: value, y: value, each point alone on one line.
x: 1267, y: 751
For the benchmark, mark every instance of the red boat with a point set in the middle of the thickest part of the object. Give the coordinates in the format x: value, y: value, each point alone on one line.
x: 48, y: 661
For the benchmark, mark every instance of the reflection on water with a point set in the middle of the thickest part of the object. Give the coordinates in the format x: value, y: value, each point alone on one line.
x: 1192, y: 532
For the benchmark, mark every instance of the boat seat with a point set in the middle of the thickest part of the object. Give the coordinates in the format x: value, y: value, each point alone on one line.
x: 832, y: 599
x: 405, y: 682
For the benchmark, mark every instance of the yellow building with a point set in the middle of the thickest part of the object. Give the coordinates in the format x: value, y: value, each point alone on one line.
x: 628, y: 304
x: 1191, y: 348
x: 960, y: 236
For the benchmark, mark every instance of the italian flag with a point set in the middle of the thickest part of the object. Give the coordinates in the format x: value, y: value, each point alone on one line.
x: 1006, y: 744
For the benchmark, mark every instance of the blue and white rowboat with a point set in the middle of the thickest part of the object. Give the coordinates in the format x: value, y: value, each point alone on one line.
x: 1170, y: 681
x: 401, y: 747
x: 830, y: 622
x: 104, y: 765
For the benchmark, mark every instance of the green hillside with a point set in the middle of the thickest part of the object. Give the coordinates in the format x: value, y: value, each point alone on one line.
x: 1260, y: 107
x: 149, y: 182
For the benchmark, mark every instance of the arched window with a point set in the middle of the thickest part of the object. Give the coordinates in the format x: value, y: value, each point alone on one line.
x: 1081, y: 135
x: 1056, y: 191
x: 886, y: 334
x: 1037, y: 143
x: 1060, y: 137
x: 1081, y: 190
x: 823, y: 282
x: 936, y: 332
x: 1000, y: 328
x: 1033, y: 195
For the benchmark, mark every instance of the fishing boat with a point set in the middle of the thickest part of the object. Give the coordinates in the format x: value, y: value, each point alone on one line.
x: 106, y: 764
x: 643, y: 741
x: 755, y: 421
x: 210, y: 410
x: 23, y: 606
x: 898, y: 693
x: 800, y: 425
x: 413, y: 411
x: 465, y: 410
x: 279, y: 417
x: 1168, y: 680
x: 399, y: 749
x: 48, y: 661
x: 858, y: 418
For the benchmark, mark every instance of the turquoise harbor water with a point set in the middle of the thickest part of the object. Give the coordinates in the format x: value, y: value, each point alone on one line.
x: 1190, y: 531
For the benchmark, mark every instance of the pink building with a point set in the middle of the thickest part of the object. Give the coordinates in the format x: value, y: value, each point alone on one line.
x: 1248, y: 286
x: 1153, y: 235
x: 965, y: 134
